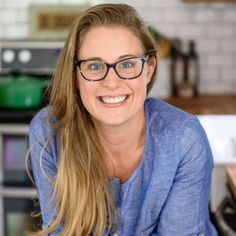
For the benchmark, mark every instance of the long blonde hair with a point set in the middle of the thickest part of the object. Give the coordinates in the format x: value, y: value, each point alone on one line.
x: 82, y: 194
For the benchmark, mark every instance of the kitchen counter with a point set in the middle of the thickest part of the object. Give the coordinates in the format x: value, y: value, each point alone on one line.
x: 212, y: 104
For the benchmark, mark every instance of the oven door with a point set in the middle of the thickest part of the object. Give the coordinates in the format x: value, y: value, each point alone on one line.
x: 14, y: 147
x: 19, y: 213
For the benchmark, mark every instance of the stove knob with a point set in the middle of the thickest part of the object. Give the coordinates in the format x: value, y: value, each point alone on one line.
x: 8, y: 56
x: 24, y: 56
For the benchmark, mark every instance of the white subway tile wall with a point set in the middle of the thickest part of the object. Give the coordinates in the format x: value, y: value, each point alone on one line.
x: 212, y: 26
x: 16, y: 4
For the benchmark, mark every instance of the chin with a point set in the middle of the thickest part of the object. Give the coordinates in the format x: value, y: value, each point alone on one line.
x: 109, y: 121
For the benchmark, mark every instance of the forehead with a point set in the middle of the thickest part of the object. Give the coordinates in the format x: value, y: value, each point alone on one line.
x: 109, y: 42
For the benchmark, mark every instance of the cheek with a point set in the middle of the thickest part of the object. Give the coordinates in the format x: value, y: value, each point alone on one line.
x: 150, y: 70
x: 86, y: 92
x: 147, y: 76
x: 77, y: 79
x: 83, y: 93
x: 139, y: 86
x: 81, y: 87
x: 81, y: 84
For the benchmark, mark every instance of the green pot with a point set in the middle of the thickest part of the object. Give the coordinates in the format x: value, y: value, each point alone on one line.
x: 21, y: 92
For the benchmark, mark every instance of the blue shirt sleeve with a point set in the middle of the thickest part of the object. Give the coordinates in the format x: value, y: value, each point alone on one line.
x: 43, y: 152
x: 186, y: 211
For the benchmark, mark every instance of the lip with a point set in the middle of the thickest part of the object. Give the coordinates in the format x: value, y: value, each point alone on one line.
x: 114, y: 104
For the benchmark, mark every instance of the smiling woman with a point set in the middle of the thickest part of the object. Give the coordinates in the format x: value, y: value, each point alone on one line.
x: 107, y: 160
x: 123, y: 84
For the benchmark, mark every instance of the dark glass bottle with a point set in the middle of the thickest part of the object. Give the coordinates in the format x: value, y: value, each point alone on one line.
x: 177, y: 66
x: 192, y: 68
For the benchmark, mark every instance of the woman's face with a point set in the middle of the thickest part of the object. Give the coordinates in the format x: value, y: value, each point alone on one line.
x: 113, y: 101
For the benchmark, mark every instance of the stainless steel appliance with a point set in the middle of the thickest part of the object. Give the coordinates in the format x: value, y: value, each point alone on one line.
x: 37, y: 58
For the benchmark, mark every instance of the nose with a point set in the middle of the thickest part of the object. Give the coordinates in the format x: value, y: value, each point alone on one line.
x: 112, y: 80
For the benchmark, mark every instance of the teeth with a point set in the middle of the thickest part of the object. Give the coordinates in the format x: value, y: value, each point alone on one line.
x: 113, y: 100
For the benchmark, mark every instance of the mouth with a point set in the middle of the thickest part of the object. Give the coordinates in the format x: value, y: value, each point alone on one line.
x: 111, y: 100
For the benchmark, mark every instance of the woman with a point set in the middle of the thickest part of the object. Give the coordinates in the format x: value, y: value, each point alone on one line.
x: 106, y: 160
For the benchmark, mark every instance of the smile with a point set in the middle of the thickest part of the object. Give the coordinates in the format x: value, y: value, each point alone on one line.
x: 113, y: 99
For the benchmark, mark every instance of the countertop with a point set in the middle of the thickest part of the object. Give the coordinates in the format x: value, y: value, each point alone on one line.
x: 207, y: 104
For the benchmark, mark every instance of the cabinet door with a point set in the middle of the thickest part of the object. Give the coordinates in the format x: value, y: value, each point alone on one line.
x: 18, y: 216
x: 14, y: 149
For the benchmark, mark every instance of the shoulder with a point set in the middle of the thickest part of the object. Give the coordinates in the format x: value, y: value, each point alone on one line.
x: 42, y: 137
x: 41, y: 122
x: 173, y: 128
x: 41, y: 130
x: 162, y: 116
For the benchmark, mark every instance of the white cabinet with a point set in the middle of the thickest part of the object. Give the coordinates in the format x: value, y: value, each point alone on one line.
x: 221, y: 133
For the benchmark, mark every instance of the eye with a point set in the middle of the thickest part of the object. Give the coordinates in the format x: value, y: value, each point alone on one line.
x: 127, y: 64
x: 94, y: 66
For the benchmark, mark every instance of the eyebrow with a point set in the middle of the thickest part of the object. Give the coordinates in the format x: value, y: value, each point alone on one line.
x: 119, y: 58
x: 127, y: 56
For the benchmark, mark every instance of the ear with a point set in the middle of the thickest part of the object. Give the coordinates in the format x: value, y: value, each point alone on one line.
x: 152, y: 64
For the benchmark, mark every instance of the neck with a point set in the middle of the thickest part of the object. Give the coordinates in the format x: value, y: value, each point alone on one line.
x: 123, y: 139
x: 123, y: 146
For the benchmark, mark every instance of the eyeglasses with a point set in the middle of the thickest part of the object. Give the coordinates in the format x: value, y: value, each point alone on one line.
x: 127, y: 69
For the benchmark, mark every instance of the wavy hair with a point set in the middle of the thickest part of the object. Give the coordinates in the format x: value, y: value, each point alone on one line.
x: 82, y: 193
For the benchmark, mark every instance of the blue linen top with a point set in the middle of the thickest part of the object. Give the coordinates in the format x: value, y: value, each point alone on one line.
x: 167, y: 194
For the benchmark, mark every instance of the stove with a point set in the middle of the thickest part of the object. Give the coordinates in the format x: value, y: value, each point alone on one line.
x: 28, y: 57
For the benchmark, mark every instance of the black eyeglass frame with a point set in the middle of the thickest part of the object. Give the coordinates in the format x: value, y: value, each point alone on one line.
x: 113, y: 65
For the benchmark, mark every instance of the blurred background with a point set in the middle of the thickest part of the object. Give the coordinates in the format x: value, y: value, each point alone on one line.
x: 196, y: 41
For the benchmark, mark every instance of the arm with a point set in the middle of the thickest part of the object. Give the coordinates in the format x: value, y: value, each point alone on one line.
x: 185, y: 211
x: 43, y: 158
